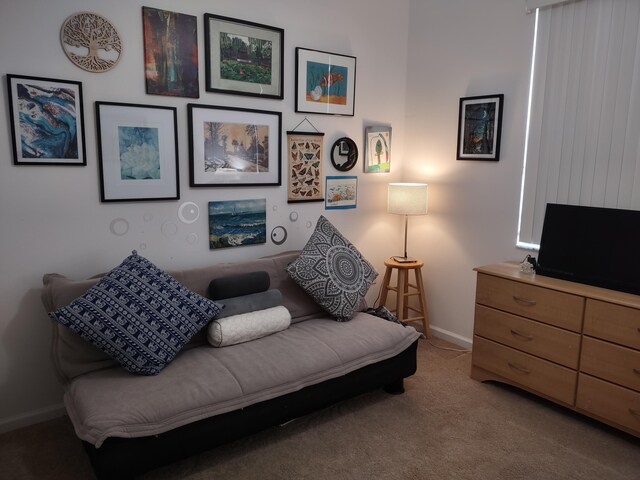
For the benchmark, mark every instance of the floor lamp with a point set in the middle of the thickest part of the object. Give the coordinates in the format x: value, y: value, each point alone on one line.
x: 407, y: 199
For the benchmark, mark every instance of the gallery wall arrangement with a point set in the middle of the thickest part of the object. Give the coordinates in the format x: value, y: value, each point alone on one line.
x: 229, y: 146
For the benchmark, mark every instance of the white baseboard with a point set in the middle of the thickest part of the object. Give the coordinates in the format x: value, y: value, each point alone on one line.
x: 30, y: 418
x: 451, y: 337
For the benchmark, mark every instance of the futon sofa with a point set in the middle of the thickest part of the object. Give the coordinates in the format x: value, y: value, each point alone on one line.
x: 207, y: 396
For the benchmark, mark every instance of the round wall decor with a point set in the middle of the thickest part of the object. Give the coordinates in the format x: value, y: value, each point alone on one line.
x: 91, y: 42
x: 279, y: 235
x: 344, y: 154
x: 188, y: 212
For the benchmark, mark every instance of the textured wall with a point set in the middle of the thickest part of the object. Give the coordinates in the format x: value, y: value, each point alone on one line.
x: 51, y: 218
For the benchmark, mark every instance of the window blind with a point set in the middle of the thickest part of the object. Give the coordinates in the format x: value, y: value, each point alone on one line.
x: 583, y: 133
x: 531, y: 5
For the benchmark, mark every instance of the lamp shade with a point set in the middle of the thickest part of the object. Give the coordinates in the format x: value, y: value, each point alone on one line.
x: 407, y: 198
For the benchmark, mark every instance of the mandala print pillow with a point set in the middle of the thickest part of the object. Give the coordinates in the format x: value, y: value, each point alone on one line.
x: 333, y: 271
x: 139, y: 315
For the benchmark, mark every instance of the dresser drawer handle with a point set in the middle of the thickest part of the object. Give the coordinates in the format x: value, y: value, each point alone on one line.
x: 635, y: 413
x: 518, y: 368
x: 516, y: 333
x: 525, y: 301
x: 636, y: 371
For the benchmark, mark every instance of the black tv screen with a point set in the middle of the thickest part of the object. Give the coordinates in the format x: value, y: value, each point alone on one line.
x: 592, y: 245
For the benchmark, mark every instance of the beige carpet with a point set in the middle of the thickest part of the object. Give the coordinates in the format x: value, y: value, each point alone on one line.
x: 446, y: 426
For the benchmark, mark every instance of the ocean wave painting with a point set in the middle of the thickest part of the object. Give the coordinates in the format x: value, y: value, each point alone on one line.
x: 233, y: 223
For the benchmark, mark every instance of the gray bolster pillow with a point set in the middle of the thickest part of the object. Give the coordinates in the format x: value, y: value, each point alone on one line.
x: 250, y: 303
x: 239, y: 285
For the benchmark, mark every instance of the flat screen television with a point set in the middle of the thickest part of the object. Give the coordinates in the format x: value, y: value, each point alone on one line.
x: 592, y: 245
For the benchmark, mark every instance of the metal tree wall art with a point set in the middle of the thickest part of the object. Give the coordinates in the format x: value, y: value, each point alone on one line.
x: 91, y: 42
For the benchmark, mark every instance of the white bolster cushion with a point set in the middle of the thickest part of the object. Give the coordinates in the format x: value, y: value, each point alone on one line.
x: 245, y: 327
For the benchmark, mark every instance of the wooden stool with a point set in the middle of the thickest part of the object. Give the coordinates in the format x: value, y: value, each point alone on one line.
x: 403, y: 293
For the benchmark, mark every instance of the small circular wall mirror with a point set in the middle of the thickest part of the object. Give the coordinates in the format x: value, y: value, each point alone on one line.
x: 344, y: 154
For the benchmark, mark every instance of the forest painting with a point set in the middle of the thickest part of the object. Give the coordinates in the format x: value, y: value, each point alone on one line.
x: 246, y: 59
x: 170, y: 53
x: 242, y: 147
x: 479, y: 127
x: 243, y: 58
x: 234, y: 146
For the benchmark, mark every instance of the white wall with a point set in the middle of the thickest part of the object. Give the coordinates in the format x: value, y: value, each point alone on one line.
x: 51, y: 219
x: 460, y: 48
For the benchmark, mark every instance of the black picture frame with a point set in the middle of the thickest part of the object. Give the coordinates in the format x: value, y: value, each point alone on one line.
x: 47, y: 121
x: 231, y: 64
x: 480, y: 127
x: 325, y: 82
x: 224, y: 154
x: 137, y: 151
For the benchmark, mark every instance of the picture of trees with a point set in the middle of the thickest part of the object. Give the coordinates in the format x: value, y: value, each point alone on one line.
x: 238, y: 147
x: 245, y: 59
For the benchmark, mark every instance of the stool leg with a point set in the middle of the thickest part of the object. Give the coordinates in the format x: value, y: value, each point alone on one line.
x: 401, y: 308
x: 423, y: 303
x: 385, y: 286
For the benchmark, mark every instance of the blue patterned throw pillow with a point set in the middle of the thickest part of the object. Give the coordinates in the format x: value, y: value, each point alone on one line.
x: 333, y: 271
x: 139, y: 315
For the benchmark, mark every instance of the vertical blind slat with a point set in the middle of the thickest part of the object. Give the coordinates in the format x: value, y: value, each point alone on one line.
x: 584, y: 124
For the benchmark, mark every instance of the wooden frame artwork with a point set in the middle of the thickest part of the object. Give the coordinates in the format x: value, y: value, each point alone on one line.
x: 47, y: 121
x: 304, y: 160
x: 479, y: 127
x: 243, y: 58
x: 170, y: 53
x: 234, y: 146
x: 138, y: 150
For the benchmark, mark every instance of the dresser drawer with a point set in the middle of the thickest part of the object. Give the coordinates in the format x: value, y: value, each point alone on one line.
x: 611, y: 362
x: 610, y: 402
x: 539, y: 375
x: 548, y: 306
x: 551, y: 343
x: 612, y: 322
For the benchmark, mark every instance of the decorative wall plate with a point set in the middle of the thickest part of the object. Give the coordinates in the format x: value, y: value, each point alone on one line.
x: 91, y: 42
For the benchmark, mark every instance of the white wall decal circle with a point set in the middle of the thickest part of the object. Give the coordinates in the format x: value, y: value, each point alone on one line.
x: 188, y: 212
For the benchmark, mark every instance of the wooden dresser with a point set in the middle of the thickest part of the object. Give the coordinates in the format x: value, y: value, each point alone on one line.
x: 574, y: 344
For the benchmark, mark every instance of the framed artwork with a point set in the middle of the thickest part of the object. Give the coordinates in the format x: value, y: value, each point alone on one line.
x: 233, y: 223
x: 377, y: 145
x: 243, y: 58
x: 138, y: 152
x: 325, y: 82
x: 234, y: 146
x: 170, y: 53
x: 47, y: 121
x: 342, y: 193
x: 479, y: 127
x: 304, y: 166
